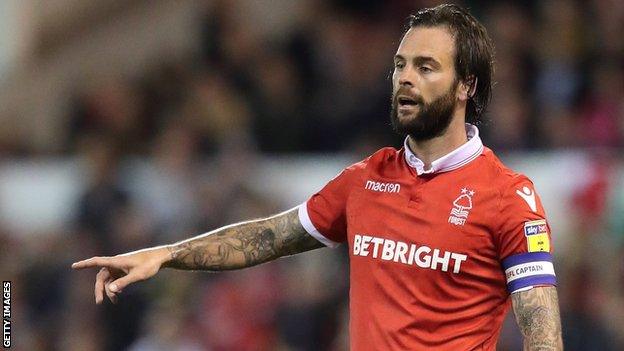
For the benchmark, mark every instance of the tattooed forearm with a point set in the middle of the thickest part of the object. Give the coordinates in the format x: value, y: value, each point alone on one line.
x: 243, y: 245
x: 537, y: 314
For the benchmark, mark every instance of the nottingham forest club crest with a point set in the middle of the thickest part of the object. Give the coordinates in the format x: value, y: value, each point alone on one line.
x: 461, y: 207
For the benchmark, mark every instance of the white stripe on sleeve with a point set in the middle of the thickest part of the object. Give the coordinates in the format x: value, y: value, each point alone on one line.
x: 311, y: 229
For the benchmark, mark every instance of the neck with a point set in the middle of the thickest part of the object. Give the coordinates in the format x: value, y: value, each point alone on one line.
x: 432, y: 149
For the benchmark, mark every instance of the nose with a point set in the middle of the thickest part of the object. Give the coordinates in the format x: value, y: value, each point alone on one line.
x: 406, y: 77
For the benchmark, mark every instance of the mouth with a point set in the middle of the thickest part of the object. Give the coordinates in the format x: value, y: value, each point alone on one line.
x: 406, y: 101
x: 406, y: 104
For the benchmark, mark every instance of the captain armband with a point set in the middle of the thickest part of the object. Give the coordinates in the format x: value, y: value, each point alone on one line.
x: 526, y: 270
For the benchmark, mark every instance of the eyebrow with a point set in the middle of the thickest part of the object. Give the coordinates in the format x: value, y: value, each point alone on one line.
x: 419, y: 60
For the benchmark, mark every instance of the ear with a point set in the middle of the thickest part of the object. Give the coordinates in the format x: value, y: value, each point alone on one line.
x: 467, y: 88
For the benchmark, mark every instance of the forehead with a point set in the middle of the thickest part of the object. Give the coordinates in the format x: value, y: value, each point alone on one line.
x: 436, y: 42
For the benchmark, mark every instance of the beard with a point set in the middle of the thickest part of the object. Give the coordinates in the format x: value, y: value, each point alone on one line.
x: 431, y: 121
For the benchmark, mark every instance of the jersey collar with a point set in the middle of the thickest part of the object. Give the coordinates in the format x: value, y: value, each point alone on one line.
x: 453, y: 160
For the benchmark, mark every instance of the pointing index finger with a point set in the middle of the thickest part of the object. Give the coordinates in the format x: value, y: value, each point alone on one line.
x: 92, y: 262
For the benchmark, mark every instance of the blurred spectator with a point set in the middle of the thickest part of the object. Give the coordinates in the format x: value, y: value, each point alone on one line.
x: 164, y: 188
x: 581, y: 324
x: 104, y: 197
x: 109, y: 107
x: 602, y: 112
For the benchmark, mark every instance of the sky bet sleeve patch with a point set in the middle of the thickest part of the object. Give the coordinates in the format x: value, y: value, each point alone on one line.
x: 536, y: 233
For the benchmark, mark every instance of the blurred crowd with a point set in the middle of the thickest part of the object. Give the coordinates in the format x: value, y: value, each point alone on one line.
x: 171, y: 153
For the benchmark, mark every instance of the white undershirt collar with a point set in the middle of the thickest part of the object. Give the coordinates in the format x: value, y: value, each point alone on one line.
x: 453, y: 160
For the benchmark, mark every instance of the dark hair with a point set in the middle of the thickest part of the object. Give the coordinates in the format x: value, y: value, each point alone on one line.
x: 474, y: 51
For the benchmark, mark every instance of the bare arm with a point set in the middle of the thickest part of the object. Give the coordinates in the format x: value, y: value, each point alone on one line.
x: 236, y: 246
x: 243, y: 245
x: 537, y: 315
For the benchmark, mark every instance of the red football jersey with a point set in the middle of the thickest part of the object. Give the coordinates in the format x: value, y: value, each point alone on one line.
x: 434, y: 253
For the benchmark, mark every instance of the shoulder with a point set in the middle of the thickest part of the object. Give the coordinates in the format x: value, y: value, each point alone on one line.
x: 499, y: 173
x: 383, y: 163
x: 516, y: 193
x: 387, y: 163
x: 359, y: 172
x: 379, y: 159
x: 385, y: 155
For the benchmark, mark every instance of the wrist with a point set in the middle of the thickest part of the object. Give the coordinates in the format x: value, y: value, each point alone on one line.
x: 164, y: 255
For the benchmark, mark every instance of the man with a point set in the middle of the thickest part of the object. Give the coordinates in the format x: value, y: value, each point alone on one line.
x: 440, y: 233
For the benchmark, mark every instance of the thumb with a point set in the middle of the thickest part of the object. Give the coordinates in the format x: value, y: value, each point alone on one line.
x: 118, y: 285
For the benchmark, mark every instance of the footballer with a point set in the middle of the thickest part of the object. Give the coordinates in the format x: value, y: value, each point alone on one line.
x: 443, y: 238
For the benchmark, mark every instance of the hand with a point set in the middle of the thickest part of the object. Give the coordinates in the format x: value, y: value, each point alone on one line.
x: 119, y: 271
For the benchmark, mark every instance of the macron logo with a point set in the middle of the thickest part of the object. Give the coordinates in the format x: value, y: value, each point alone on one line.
x: 383, y: 187
x: 529, y: 196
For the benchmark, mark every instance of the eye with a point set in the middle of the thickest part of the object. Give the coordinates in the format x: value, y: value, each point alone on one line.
x: 425, y: 69
x: 399, y: 65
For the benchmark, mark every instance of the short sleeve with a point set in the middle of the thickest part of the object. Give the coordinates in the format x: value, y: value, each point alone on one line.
x: 524, y: 239
x: 324, y: 215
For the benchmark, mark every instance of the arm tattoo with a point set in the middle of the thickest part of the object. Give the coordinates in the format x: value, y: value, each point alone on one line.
x: 244, y: 244
x: 537, y: 315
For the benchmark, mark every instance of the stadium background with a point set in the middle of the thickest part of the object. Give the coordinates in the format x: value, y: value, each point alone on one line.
x: 134, y: 123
